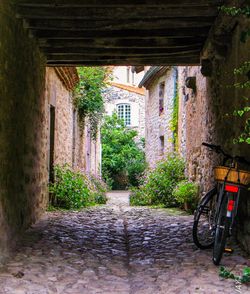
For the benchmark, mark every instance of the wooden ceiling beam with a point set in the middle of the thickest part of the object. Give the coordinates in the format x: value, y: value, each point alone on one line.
x: 118, y: 3
x: 157, y: 61
x: 122, y: 43
x: 114, y: 13
x: 122, y: 52
x: 125, y: 34
x: 66, y: 24
x: 72, y: 57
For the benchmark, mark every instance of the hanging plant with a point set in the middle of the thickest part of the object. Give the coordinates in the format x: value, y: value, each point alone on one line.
x: 88, y: 98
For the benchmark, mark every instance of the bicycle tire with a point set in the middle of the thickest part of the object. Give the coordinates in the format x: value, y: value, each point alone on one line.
x: 203, y: 233
x: 221, y: 232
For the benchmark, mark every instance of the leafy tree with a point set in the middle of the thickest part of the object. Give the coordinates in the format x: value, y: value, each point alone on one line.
x: 88, y: 98
x: 123, y: 160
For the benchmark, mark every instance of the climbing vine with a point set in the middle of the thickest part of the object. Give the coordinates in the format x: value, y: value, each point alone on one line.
x: 88, y: 98
x: 174, y: 119
x: 244, y: 72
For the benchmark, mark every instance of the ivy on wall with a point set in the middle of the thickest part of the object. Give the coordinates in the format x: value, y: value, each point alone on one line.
x: 174, y: 122
x: 243, y: 72
x: 88, y: 98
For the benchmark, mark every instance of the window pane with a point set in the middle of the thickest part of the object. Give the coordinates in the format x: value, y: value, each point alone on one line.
x: 124, y: 113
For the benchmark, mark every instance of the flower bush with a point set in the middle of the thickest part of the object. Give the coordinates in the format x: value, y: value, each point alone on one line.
x: 157, y: 185
x: 74, y: 190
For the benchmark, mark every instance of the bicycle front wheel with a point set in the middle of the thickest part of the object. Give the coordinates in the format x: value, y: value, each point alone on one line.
x: 204, y: 221
x: 222, y: 232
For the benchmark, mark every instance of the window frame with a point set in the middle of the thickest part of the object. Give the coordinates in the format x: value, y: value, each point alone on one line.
x: 125, y: 113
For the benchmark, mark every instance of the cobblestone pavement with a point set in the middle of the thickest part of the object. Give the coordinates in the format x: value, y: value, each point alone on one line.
x: 114, y: 249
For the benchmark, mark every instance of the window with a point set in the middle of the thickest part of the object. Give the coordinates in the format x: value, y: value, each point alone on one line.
x: 162, y: 145
x: 161, y: 97
x: 124, y: 113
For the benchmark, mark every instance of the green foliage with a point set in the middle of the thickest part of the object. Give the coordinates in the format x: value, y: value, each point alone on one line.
x: 186, y: 192
x: 244, y: 72
x: 234, y: 11
x: 227, y: 274
x: 243, y: 69
x: 157, y: 185
x: 174, y: 121
x: 123, y: 160
x: 73, y: 190
x: 88, y: 98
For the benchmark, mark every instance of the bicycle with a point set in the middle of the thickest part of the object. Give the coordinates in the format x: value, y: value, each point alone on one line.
x: 216, y: 212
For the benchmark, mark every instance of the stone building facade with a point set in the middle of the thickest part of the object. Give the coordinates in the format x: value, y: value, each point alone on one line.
x: 28, y: 92
x: 70, y: 142
x: 126, y: 99
x: 161, y: 85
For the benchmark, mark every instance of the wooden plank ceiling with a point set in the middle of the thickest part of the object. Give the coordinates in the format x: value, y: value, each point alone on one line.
x: 119, y: 32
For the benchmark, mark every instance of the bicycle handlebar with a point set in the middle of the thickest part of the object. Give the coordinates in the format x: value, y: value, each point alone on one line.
x: 218, y: 149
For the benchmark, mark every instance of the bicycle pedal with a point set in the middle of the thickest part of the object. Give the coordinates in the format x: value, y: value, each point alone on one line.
x: 228, y: 250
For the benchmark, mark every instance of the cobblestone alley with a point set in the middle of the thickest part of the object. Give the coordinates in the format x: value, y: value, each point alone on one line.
x: 114, y: 249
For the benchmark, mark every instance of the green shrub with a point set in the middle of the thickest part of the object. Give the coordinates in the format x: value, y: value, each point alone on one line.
x: 99, y: 189
x: 123, y: 159
x: 73, y: 190
x: 157, y: 184
x: 186, y: 193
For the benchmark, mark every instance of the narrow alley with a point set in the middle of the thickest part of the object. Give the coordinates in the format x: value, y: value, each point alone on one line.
x: 115, y: 249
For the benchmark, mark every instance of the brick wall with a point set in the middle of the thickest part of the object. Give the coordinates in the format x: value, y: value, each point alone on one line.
x: 114, y: 96
x: 23, y: 138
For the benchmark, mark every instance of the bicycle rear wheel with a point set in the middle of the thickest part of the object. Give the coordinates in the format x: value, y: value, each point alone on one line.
x: 222, y: 231
x: 204, y: 221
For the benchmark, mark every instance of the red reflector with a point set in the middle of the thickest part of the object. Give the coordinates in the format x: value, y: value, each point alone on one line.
x: 230, y: 205
x: 230, y: 188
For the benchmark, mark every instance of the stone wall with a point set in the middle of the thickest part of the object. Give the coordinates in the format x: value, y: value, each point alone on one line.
x: 73, y: 143
x: 115, y: 95
x: 159, y: 125
x: 207, y: 116
x: 27, y: 90
x: 196, y: 125
x: 61, y: 99
x: 23, y: 138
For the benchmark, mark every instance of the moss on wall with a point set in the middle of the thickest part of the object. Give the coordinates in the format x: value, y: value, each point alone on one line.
x: 23, y: 149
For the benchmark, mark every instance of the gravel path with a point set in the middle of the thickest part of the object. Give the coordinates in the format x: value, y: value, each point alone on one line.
x: 115, y: 249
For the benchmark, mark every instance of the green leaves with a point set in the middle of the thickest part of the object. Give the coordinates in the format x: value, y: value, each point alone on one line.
x: 88, y: 98
x: 157, y: 185
x: 226, y: 274
x: 243, y: 71
x: 73, y: 190
x: 186, y: 192
x: 121, y: 155
x: 235, y: 11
